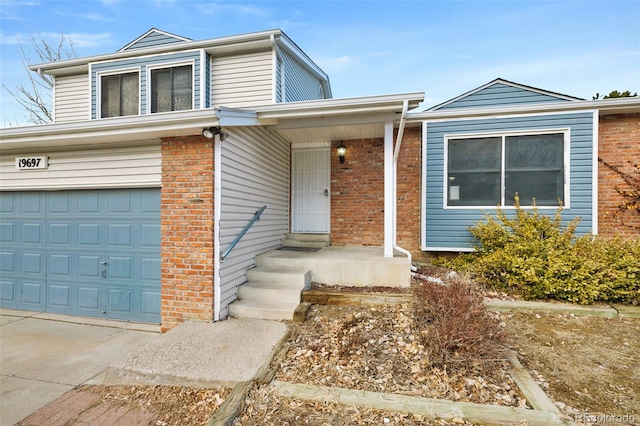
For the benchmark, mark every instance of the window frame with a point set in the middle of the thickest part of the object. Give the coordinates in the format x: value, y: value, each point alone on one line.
x: 507, y: 204
x: 168, y: 65
x: 99, y: 76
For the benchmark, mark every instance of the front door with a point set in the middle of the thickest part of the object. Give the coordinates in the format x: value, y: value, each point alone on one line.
x: 310, y: 197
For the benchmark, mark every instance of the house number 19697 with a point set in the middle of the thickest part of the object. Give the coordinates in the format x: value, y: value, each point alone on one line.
x: 31, y: 163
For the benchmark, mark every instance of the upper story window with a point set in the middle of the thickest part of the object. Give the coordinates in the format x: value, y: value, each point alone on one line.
x: 119, y: 94
x: 171, y: 89
x: 489, y: 171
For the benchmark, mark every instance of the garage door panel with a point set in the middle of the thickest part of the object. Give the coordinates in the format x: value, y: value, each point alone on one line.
x: 89, y: 266
x: 89, y: 235
x: 33, y: 264
x: 32, y: 234
x: 150, y: 236
x: 120, y: 204
x: 31, y: 204
x: 59, y: 203
x: 120, y: 235
x: 94, y: 253
x: 150, y: 269
x: 7, y: 233
x: 32, y: 295
x: 60, y: 297
x: 8, y: 292
x: 89, y: 298
x: 60, y: 234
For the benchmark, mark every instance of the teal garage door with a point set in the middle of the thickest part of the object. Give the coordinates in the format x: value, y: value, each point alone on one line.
x: 86, y: 253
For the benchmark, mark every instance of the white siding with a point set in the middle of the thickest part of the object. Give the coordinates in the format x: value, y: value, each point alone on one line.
x: 255, y: 172
x: 125, y: 167
x: 242, y: 80
x: 71, y: 98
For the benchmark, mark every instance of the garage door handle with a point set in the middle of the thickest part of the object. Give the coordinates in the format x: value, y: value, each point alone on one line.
x: 104, y: 270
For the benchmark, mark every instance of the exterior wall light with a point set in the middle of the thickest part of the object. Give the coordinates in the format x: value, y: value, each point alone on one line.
x: 210, y: 132
x: 341, y: 151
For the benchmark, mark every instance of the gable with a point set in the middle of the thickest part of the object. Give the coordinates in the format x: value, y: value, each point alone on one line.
x: 502, y: 93
x: 153, y: 38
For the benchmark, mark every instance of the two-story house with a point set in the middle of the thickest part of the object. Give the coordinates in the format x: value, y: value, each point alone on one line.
x: 135, y: 203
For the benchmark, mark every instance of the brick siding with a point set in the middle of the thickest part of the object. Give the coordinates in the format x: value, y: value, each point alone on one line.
x: 187, y: 230
x: 357, y: 193
x: 619, y: 145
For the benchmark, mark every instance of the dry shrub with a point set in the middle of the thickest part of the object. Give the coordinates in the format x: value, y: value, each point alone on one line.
x: 454, y: 325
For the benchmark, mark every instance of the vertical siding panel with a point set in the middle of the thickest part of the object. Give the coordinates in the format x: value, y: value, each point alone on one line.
x: 71, y: 98
x: 255, y: 172
x: 447, y: 228
x: 300, y: 84
x: 126, y: 167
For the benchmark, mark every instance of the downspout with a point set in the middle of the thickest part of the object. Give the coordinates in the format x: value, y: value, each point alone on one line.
x: 217, y: 209
x: 42, y: 76
x: 277, y: 69
x: 396, y: 152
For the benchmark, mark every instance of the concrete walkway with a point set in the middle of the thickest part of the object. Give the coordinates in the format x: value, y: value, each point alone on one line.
x: 41, y: 359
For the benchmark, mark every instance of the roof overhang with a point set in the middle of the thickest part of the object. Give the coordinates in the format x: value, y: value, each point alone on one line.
x: 326, y: 119
x: 603, y: 106
x: 222, y: 45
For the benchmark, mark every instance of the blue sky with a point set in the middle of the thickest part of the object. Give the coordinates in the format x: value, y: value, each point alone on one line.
x: 442, y: 48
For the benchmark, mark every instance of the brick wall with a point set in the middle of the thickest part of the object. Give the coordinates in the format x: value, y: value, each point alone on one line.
x: 187, y: 230
x: 357, y: 194
x: 619, y: 144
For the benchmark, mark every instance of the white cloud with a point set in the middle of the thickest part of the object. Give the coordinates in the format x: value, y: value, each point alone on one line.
x: 215, y: 8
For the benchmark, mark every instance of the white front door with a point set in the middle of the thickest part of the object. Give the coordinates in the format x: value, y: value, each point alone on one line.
x: 310, y: 191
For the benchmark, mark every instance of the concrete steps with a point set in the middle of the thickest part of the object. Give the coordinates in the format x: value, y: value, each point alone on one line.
x: 306, y: 240
x: 271, y: 292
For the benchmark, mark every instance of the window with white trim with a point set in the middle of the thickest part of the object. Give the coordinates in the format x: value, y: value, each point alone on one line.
x: 119, y: 94
x: 487, y: 171
x: 172, y: 89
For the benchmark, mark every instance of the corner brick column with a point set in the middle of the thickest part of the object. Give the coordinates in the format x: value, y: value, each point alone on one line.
x: 618, y: 145
x: 187, y: 230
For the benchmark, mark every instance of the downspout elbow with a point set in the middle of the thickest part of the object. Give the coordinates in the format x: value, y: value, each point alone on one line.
x: 43, y: 77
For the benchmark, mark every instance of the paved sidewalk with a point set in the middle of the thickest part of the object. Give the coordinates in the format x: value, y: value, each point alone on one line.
x: 43, y: 359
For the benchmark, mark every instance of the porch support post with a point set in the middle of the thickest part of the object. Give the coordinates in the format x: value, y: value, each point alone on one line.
x: 389, y: 184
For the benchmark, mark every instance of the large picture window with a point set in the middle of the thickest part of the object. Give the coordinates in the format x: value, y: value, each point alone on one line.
x: 489, y: 171
x: 119, y: 95
x: 171, y: 89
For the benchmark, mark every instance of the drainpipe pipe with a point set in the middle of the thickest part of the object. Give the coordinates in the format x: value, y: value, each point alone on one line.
x: 42, y: 76
x: 403, y: 122
x: 217, y: 210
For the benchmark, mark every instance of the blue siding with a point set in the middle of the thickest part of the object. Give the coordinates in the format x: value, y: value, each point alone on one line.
x: 89, y: 253
x: 447, y: 228
x: 300, y: 84
x: 153, y: 39
x: 141, y: 65
x: 500, y: 94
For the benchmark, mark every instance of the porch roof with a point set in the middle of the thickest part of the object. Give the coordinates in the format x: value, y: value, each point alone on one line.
x: 325, y: 120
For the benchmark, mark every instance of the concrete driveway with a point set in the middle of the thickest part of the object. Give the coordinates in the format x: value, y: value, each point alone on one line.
x: 43, y: 356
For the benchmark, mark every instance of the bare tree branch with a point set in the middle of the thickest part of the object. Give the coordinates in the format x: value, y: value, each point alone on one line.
x: 34, y: 96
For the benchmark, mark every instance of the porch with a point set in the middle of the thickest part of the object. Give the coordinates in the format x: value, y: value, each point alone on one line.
x: 274, y: 286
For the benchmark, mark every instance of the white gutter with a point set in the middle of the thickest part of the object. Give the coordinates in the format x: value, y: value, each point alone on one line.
x: 616, y: 105
x: 403, y: 121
